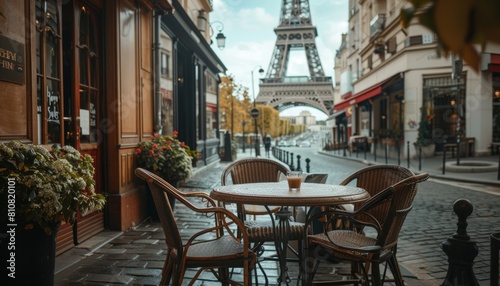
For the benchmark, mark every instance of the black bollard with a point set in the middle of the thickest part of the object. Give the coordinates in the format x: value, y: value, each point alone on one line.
x: 366, y: 146
x: 419, y: 158
x: 460, y: 250
x: 308, y: 165
x: 498, y: 175
x: 298, y: 164
x: 444, y: 160
x: 408, y: 154
x: 292, y: 167
x: 398, y: 146
x: 227, y: 148
x: 385, y: 150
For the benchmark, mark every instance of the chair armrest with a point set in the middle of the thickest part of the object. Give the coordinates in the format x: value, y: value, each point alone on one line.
x: 203, y: 196
x: 226, y: 223
x: 331, y: 215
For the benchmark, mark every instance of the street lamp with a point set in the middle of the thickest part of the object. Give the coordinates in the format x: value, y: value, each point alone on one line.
x: 220, y: 38
x: 243, y: 123
x: 257, y: 149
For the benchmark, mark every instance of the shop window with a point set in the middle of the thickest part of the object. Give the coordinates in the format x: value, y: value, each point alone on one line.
x: 444, y: 101
x: 48, y: 75
x: 89, y: 74
x: 165, y: 58
x: 496, y: 107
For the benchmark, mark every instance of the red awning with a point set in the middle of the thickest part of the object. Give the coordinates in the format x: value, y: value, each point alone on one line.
x: 494, y: 68
x: 494, y: 65
x: 362, y: 96
x: 212, y: 107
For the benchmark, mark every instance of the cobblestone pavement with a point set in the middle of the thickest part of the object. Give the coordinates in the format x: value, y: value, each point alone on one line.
x: 136, y: 257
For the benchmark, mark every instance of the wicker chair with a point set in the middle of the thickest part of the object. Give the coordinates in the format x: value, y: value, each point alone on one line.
x: 375, y: 179
x: 256, y: 170
x: 214, y: 248
x: 358, y: 247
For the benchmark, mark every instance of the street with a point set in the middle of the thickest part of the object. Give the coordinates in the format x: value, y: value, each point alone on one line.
x: 431, y: 220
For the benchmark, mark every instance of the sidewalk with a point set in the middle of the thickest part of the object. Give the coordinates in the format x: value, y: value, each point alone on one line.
x: 135, y: 257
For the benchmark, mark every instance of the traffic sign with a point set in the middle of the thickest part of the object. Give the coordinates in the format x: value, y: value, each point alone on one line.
x: 254, y: 112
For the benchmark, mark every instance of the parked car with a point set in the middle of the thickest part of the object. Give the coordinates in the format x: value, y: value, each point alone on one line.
x: 305, y: 144
x: 282, y: 143
x: 292, y: 143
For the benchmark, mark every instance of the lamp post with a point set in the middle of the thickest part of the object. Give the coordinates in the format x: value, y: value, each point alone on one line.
x: 255, y: 112
x: 220, y: 38
x: 232, y: 117
x: 244, y: 141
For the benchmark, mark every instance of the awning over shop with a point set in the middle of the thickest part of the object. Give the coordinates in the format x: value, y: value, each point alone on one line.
x: 494, y: 65
x: 370, y: 92
x: 364, y: 95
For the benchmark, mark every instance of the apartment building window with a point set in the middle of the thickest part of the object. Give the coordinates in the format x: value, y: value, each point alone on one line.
x: 165, y: 59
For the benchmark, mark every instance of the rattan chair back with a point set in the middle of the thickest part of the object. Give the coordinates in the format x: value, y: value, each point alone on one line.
x: 360, y: 248
x: 216, y: 248
x: 375, y: 179
x: 253, y: 170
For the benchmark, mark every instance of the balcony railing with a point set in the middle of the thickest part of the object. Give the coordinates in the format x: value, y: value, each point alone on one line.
x: 297, y: 79
x: 377, y: 25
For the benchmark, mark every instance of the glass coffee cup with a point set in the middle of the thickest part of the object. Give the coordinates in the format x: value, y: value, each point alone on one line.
x: 294, y: 179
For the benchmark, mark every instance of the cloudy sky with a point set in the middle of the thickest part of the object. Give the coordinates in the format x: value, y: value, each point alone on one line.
x: 250, y: 38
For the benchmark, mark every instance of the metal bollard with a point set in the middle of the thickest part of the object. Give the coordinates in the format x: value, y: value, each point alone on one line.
x: 460, y: 250
x: 408, y: 154
x: 292, y: 167
x: 308, y: 165
x: 494, y: 248
x: 298, y: 163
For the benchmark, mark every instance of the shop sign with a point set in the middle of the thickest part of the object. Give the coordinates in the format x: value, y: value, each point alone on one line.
x: 11, y: 60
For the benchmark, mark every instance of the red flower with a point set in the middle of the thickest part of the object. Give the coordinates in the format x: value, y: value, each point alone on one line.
x: 163, y: 147
x: 183, y: 145
x: 151, y: 152
x: 176, y: 133
x: 138, y: 150
x: 154, y: 146
x: 157, y: 135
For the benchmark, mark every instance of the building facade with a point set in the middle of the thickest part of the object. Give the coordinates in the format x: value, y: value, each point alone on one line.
x: 94, y: 74
x: 391, y: 77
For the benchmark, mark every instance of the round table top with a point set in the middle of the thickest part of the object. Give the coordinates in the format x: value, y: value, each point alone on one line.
x: 277, y: 193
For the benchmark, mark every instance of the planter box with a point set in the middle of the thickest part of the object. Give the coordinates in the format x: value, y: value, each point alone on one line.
x: 427, y: 151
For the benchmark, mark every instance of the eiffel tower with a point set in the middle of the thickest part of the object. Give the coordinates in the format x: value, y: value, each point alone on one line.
x: 295, y: 31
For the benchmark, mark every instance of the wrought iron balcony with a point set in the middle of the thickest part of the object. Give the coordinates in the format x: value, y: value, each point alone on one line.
x: 377, y: 25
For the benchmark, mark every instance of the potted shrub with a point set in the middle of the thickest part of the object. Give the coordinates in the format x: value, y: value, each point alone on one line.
x: 424, y: 137
x: 39, y: 190
x: 166, y: 157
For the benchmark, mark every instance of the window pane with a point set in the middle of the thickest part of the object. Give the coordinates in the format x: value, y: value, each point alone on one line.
x: 83, y: 66
x: 52, y: 55
x: 84, y: 115
x: 54, y: 111
x: 93, y: 117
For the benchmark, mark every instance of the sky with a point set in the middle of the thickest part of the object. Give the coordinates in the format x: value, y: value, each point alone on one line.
x: 250, y: 39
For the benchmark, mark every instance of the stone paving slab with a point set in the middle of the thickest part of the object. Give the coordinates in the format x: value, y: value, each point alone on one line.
x: 419, y: 248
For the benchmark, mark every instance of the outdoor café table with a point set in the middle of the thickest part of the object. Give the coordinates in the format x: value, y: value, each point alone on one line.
x: 277, y: 194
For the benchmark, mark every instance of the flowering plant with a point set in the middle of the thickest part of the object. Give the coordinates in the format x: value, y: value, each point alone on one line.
x: 165, y: 156
x: 195, y: 155
x: 42, y: 187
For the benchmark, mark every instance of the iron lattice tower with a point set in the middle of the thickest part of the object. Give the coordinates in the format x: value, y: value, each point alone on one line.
x: 295, y: 31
